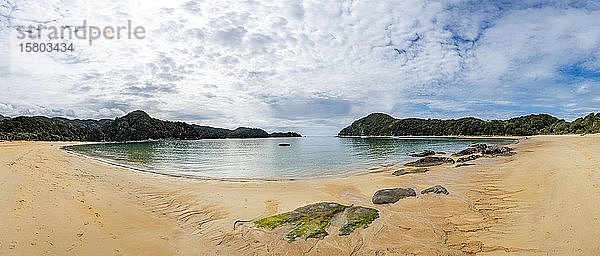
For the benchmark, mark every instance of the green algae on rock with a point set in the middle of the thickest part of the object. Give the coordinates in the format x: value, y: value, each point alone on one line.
x: 358, y: 217
x: 312, y: 221
x: 278, y: 220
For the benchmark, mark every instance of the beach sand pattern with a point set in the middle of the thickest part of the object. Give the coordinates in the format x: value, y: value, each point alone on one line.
x: 542, y: 201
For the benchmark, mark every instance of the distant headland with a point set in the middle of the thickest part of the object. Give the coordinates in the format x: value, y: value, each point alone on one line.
x: 135, y: 126
x: 381, y: 124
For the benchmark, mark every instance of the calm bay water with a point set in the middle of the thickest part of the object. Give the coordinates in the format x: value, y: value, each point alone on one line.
x: 306, y: 157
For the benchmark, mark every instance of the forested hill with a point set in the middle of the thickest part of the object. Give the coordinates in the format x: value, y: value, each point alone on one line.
x: 380, y: 124
x: 137, y: 125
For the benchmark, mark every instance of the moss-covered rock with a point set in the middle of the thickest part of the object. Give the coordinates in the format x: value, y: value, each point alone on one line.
x: 310, y: 229
x: 278, y: 220
x: 312, y: 221
x: 358, y: 217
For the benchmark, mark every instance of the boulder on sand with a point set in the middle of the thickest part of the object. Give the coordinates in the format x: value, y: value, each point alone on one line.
x: 431, y: 161
x: 309, y: 221
x: 437, y: 189
x: 497, y: 151
x: 358, y: 217
x: 313, y: 220
x: 404, y: 171
x: 485, y: 150
x: 467, y: 158
x: 467, y: 151
x: 392, y: 195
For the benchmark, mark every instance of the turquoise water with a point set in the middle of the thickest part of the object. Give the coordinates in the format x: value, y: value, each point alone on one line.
x: 306, y: 157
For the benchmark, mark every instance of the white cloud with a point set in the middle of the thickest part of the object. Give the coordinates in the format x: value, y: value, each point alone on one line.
x: 305, y: 63
x: 533, y: 43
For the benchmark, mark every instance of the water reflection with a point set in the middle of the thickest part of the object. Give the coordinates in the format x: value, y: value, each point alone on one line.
x: 142, y: 152
x: 374, y: 148
x: 263, y: 158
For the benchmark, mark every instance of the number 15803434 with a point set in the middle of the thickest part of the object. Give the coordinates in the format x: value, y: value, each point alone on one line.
x: 46, y: 47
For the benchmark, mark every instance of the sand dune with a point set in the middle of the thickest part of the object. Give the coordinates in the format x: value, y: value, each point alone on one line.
x: 542, y: 201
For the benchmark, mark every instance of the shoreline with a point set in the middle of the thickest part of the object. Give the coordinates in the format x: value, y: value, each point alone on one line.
x: 363, y: 171
x: 441, y: 137
x: 206, y: 178
x: 55, y: 202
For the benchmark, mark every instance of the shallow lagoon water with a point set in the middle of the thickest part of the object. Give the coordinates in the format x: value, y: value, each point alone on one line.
x: 306, y: 157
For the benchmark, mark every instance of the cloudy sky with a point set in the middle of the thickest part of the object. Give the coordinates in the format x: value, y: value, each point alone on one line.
x: 309, y: 66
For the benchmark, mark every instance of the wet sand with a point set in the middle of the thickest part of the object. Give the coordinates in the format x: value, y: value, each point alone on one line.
x: 542, y: 201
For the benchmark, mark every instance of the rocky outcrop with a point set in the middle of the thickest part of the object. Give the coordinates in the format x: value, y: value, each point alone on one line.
x: 312, y: 221
x: 467, y: 158
x: 497, y: 151
x: 486, y: 150
x: 431, y: 161
x: 392, y: 195
x: 404, y: 171
x: 480, y: 146
x: 437, y: 189
x: 423, y: 154
x: 467, y: 151
x: 358, y: 217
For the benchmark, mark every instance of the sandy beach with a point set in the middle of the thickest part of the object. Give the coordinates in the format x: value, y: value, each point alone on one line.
x: 542, y: 201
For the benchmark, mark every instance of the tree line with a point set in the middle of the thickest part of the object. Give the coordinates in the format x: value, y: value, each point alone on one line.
x: 380, y: 124
x: 134, y: 126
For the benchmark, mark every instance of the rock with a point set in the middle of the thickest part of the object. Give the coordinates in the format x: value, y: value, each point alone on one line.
x: 392, y: 195
x: 463, y: 164
x: 467, y: 158
x: 358, y: 217
x: 431, y: 161
x: 480, y: 146
x: 312, y: 221
x: 284, y: 144
x: 467, y: 151
x: 485, y: 150
x: 409, y: 170
x: 498, y: 151
x: 424, y: 153
x: 437, y: 189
